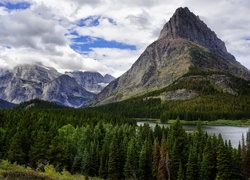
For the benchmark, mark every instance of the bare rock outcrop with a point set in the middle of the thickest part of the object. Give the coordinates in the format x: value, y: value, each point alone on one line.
x: 185, y: 42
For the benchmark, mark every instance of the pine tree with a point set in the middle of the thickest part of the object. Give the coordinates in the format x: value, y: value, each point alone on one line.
x: 244, y: 162
x: 57, y: 154
x: 177, y: 142
x: 132, y: 160
x: 145, y: 160
x: 223, y: 162
x: 248, y: 153
x: 208, y: 168
x: 192, y: 165
x: 163, y: 167
x: 15, y: 151
x: 156, y: 159
x: 39, y: 152
x: 236, y: 168
x: 181, y: 174
x: 2, y: 141
x: 143, y: 163
x: 114, y: 166
x: 158, y: 132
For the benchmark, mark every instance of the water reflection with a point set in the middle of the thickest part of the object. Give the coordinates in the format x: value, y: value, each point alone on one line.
x: 228, y: 132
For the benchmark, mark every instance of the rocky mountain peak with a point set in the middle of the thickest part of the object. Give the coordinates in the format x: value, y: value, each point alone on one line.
x: 185, y: 24
x: 28, y: 81
x: 185, y: 43
x: 35, y: 72
x: 91, y: 81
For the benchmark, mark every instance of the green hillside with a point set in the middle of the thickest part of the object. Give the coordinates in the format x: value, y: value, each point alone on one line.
x: 38, y: 104
x: 211, y: 101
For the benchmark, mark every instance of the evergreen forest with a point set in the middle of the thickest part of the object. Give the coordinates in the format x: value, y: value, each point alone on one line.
x: 93, y: 143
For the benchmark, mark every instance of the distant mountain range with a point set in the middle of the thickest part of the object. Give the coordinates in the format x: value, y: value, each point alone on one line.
x: 185, y: 59
x: 26, y: 82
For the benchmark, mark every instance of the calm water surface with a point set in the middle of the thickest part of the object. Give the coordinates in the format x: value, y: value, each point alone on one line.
x: 232, y: 133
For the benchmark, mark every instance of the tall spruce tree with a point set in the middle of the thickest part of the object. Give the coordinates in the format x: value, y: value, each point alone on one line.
x: 248, y: 153
x: 163, y: 167
x: 114, y: 164
x: 223, y: 162
x: 181, y: 174
x: 131, y: 170
x: 192, y: 165
x: 156, y: 159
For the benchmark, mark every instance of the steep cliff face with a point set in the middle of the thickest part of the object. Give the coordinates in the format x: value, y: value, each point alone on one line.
x: 66, y: 91
x: 91, y: 81
x: 185, y: 42
x: 184, y: 24
x: 26, y: 82
x: 36, y: 73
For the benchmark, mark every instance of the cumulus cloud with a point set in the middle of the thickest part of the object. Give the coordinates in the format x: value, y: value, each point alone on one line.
x: 119, y: 59
x: 45, y: 31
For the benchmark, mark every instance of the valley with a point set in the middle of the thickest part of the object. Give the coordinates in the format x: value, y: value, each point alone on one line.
x: 81, y: 125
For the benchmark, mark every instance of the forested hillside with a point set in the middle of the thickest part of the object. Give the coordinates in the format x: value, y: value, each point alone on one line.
x: 110, y: 146
x: 205, y: 107
x: 197, y: 95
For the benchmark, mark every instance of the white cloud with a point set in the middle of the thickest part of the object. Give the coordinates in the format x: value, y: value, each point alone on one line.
x: 119, y: 59
x: 38, y: 33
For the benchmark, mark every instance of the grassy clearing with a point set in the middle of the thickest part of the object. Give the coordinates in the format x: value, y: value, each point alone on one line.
x: 17, y: 172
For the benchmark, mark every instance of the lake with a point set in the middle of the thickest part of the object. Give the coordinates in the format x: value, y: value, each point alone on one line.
x: 232, y: 133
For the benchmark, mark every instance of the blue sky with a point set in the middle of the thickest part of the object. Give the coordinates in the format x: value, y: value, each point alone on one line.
x: 106, y: 35
x: 15, y: 6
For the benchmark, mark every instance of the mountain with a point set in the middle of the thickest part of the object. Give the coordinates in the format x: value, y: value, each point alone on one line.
x: 65, y: 90
x: 6, y: 104
x: 91, y: 81
x: 27, y: 82
x: 185, y: 46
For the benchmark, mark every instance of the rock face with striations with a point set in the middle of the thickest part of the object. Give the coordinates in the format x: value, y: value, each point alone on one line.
x: 91, y: 81
x: 65, y: 90
x: 26, y: 82
x: 185, y: 42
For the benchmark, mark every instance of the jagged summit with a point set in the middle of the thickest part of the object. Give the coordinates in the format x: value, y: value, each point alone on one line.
x: 185, y: 43
x: 185, y: 24
x: 29, y: 81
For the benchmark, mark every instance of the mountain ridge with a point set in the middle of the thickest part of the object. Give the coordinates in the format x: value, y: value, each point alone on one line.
x: 185, y: 42
x: 30, y: 81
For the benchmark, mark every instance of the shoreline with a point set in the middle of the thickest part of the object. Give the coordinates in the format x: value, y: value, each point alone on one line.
x: 219, y: 122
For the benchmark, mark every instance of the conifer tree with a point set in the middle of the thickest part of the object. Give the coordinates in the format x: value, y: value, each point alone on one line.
x: 163, y: 167
x: 223, y: 162
x: 156, y: 159
x: 248, y: 152
x: 143, y: 163
x: 192, y: 165
x: 132, y: 160
x: 15, y: 151
x: 244, y: 158
x: 181, y: 174
x: 114, y: 166
x: 177, y: 143
x: 208, y: 168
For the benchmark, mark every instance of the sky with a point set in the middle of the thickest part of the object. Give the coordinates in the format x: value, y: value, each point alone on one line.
x: 107, y: 36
